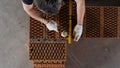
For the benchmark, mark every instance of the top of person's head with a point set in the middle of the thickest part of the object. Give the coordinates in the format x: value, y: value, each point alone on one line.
x: 51, y: 7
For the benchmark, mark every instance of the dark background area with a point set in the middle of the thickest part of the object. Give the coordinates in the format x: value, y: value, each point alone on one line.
x: 103, y: 2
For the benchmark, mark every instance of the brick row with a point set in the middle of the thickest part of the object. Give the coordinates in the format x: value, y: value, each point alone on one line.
x: 49, y: 64
x: 47, y: 51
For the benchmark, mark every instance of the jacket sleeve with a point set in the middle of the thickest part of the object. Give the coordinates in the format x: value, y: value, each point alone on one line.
x: 28, y: 2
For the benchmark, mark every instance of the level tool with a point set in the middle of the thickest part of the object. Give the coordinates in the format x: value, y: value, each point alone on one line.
x: 70, y: 22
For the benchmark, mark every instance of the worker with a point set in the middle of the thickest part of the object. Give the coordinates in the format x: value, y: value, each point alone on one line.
x: 52, y: 7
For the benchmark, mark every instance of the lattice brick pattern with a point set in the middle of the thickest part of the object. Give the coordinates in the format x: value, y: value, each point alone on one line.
x: 49, y: 64
x: 36, y: 29
x: 111, y: 21
x: 92, y: 22
x: 47, y: 51
x: 102, y: 22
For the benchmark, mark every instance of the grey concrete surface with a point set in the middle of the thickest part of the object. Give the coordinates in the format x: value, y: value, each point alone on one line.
x: 87, y: 53
x: 13, y: 35
x: 94, y: 53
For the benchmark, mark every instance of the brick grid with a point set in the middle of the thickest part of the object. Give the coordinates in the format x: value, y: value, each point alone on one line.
x: 36, y: 29
x: 49, y: 66
x: 102, y: 22
x: 48, y: 55
x: 110, y: 22
x: 47, y: 51
x: 93, y: 22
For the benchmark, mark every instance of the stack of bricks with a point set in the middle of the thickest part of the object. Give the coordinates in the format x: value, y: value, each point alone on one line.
x: 102, y: 22
x: 48, y: 55
x: 47, y: 49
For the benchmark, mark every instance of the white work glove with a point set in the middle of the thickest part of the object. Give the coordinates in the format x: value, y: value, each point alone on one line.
x: 78, y: 32
x: 52, y: 25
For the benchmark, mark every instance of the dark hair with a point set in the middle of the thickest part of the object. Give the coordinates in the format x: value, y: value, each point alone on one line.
x: 51, y: 7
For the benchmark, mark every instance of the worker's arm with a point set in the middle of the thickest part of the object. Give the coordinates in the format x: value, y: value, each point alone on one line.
x: 80, y: 17
x: 51, y: 25
x: 33, y: 13
x: 80, y: 11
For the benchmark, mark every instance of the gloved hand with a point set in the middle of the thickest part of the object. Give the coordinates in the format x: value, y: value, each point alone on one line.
x: 52, y: 25
x: 78, y: 32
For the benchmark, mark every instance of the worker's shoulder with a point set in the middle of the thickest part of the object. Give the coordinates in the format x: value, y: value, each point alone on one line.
x: 28, y: 2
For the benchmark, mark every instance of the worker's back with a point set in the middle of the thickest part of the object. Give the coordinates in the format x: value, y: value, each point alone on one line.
x: 49, y: 6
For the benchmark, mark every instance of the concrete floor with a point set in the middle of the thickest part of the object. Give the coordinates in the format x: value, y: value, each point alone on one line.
x: 87, y: 53
x: 94, y: 53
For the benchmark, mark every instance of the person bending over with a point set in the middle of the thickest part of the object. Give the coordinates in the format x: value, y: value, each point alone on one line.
x: 52, y: 7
